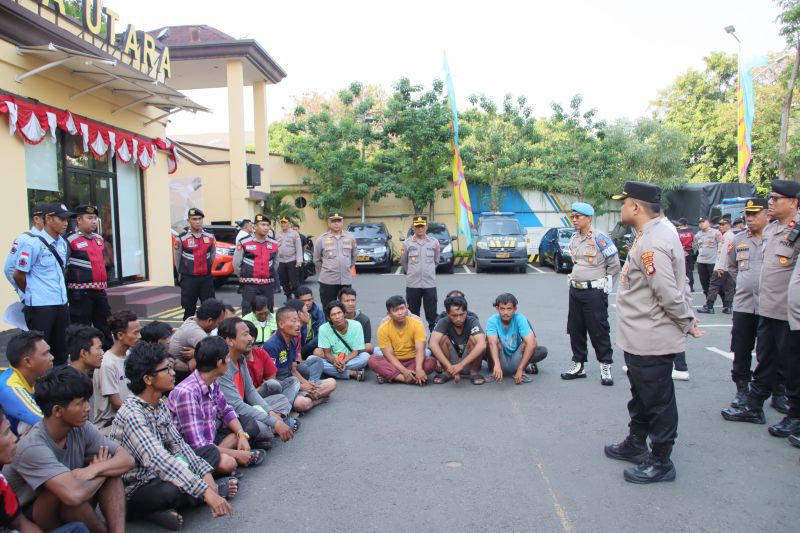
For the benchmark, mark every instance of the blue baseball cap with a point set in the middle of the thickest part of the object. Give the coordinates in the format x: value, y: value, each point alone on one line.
x: 583, y: 208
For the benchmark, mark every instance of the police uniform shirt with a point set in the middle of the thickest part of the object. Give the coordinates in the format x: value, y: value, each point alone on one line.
x: 705, y: 244
x: 184, y: 255
x: 722, y: 253
x: 11, y: 259
x: 653, y: 314
x: 793, y: 298
x: 419, y: 257
x: 744, y: 264
x: 334, y: 256
x: 291, y: 249
x: 44, y: 276
x: 594, y: 256
x: 780, y: 256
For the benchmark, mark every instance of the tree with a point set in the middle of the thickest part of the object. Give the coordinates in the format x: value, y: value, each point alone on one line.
x: 279, y: 138
x: 277, y: 208
x: 415, y: 155
x: 501, y: 149
x: 790, y: 29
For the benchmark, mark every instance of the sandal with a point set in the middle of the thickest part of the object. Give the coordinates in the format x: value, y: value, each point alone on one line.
x: 169, y: 519
x: 526, y: 378
x: 360, y: 375
x: 477, y: 379
x: 380, y: 379
x: 293, y: 423
x: 224, y: 487
x: 441, y: 378
x: 257, y: 457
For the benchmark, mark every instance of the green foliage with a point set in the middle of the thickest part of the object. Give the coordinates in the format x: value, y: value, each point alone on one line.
x: 789, y: 19
x: 279, y: 138
x: 277, y: 208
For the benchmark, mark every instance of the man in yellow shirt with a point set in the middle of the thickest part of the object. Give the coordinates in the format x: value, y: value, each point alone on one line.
x: 402, y: 341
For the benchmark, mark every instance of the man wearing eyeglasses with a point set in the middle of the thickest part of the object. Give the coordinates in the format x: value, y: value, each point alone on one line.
x: 777, y: 346
x: 595, y: 263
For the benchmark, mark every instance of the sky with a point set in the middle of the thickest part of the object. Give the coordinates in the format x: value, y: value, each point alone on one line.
x: 616, y: 53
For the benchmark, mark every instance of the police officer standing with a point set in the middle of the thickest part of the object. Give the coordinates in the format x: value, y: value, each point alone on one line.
x: 777, y: 346
x: 195, y: 251
x: 87, y: 277
x: 419, y: 257
x: 11, y: 259
x: 687, y: 239
x: 705, y: 245
x: 334, y: 256
x: 720, y: 282
x: 290, y: 258
x: 595, y: 263
x: 39, y: 273
x: 793, y: 301
x: 254, y: 263
x: 653, y: 319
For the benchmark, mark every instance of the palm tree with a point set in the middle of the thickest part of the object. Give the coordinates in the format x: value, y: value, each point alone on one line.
x: 275, y: 207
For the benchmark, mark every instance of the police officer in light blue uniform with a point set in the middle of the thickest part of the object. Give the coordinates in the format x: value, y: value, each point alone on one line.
x: 39, y: 272
x: 38, y: 224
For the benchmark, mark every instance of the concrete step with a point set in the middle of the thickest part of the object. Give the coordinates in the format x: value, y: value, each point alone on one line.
x: 151, y: 304
x: 119, y: 297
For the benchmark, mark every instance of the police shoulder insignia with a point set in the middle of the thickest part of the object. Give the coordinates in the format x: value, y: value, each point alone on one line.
x: 730, y: 247
x: 177, y: 244
x: 239, y: 246
x: 648, y: 263
x: 602, y: 242
x: 792, y: 223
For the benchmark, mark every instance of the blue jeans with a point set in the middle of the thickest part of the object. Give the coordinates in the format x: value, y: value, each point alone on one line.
x: 356, y: 363
x: 312, y: 366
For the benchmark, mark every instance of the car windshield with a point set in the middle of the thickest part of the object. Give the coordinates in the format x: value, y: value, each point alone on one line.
x: 223, y: 234
x: 368, y: 232
x: 437, y: 232
x: 565, y: 234
x: 499, y: 227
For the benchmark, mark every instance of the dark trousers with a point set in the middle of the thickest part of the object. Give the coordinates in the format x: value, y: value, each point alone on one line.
x: 416, y: 297
x: 251, y: 290
x: 158, y: 495
x: 777, y: 349
x: 329, y: 293
x: 192, y: 289
x: 289, y: 278
x: 51, y: 320
x: 652, y: 407
x: 704, y: 271
x: 724, y: 286
x: 91, y: 308
x: 689, y: 260
x: 680, y: 362
x: 588, y: 313
x: 743, y: 340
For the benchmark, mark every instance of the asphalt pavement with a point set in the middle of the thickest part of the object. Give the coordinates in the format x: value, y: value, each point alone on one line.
x: 459, y: 457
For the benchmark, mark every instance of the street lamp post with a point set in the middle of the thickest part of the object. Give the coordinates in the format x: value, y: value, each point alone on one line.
x: 730, y: 30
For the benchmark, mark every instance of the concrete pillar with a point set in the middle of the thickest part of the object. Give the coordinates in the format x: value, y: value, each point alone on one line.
x: 15, y: 206
x: 261, y: 131
x: 240, y: 207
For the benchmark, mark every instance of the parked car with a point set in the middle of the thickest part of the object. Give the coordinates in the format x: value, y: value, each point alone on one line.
x: 500, y: 242
x: 441, y: 234
x: 623, y: 237
x: 374, y: 246
x: 554, y: 249
x: 222, y: 268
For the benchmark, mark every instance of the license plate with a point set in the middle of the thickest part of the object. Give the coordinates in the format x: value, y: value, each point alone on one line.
x: 502, y: 255
x: 363, y: 258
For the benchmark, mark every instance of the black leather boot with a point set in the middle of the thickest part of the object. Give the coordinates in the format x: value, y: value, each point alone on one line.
x: 633, y: 449
x: 742, y: 390
x: 656, y: 467
x: 784, y: 428
x: 779, y: 401
x: 707, y: 309
x: 794, y: 440
x: 745, y: 413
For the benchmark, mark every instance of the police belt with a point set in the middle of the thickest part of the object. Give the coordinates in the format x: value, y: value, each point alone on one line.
x: 256, y: 281
x: 593, y: 284
x: 93, y: 286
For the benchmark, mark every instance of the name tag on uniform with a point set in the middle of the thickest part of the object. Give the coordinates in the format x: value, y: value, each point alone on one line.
x: 82, y: 244
x: 250, y: 247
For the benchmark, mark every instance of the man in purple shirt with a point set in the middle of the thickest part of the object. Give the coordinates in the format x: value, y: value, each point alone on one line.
x: 203, y: 416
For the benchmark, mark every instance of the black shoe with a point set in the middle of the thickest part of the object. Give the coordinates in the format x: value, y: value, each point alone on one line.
x: 709, y: 310
x: 633, y: 449
x: 727, y: 310
x: 786, y: 427
x: 794, y: 440
x: 780, y: 403
x: 742, y: 390
x: 651, y: 470
x: 576, y: 371
x: 744, y: 414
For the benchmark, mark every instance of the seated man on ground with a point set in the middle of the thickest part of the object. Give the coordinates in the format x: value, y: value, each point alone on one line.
x: 110, y: 385
x: 312, y: 320
x: 157, y: 332
x: 167, y: 475
x: 309, y: 365
x: 29, y: 356
x: 229, y: 312
x: 193, y: 330
x: 85, y: 348
x: 341, y: 344
x: 64, y: 466
x: 512, y: 342
x: 284, y: 348
x: 261, y: 368
x: 458, y: 343
x: 347, y: 295
x: 237, y: 386
x: 455, y: 292
x: 401, y: 339
x: 262, y: 318
x: 203, y: 416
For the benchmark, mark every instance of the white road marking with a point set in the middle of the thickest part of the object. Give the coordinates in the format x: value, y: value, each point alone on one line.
x: 539, y: 270
x: 398, y: 271
x: 714, y: 325
x: 723, y: 353
x: 468, y: 271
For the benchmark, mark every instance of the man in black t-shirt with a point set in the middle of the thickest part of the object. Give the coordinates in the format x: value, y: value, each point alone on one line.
x: 459, y: 343
x: 347, y: 296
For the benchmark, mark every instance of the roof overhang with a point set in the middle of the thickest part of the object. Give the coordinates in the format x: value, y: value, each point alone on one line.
x: 204, y: 65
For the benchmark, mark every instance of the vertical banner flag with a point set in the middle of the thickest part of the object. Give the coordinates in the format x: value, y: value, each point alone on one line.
x: 746, y: 111
x: 464, y: 220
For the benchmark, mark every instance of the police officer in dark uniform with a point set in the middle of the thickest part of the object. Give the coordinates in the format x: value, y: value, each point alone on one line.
x: 255, y: 263
x: 87, y: 276
x: 194, y: 254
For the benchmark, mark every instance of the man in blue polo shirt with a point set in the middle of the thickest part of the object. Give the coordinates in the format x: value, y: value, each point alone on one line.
x: 512, y: 343
x: 39, y: 272
x: 11, y: 260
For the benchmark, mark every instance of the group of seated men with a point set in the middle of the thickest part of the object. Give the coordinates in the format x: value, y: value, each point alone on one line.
x: 164, y: 419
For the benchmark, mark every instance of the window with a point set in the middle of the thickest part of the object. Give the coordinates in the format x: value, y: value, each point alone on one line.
x: 129, y: 201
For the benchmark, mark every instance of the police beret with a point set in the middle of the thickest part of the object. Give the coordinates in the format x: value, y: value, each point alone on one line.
x: 715, y: 220
x: 738, y: 220
x: 262, y: 218
x: 194, y: 212
x: 335, y: 215
x: 85, y: 209
x: 646, y: 192
x: 725, y: 220
x: 786, y: 187
x: 755, y: 205
x: 583, y: 208
x: 420, y: 220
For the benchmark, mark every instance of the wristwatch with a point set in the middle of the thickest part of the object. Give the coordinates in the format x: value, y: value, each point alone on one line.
x: 243, y: 432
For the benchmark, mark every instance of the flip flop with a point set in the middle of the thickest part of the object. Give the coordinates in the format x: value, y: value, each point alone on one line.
x: 169, y: 519
x: 223, y: 486
x: 257, y: 457
x: 293, y: 423
x: 526, y: 378
x: 477, y: 379
x: 441, y: 378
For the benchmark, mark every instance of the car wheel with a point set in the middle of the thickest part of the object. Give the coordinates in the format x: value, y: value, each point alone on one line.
x: 523, y: 269
x: 448, y: 269
x: 477, y: 268
x: 387, y: 267
x: 557, y: 264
